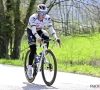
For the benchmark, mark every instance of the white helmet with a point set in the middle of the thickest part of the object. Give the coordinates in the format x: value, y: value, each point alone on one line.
x: 42, y: 7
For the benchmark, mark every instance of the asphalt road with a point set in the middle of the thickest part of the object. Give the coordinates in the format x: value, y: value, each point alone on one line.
x: 13, y: 78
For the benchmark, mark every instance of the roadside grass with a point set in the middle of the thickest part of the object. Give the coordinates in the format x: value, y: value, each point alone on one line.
x: 81, y: 69
x: 79, y: 50
x: 12, y: 62
x: 78, y: 54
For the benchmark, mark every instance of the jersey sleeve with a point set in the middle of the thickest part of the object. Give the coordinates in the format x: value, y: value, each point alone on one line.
x: 32, y: 21
x: 49, y: 21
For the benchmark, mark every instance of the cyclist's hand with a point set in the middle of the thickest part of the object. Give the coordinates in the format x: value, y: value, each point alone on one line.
x: 58, y: 41
x: 39, y: 40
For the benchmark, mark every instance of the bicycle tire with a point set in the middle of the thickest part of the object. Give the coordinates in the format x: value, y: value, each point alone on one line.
x: 25, y: 67
x: 49, y: 83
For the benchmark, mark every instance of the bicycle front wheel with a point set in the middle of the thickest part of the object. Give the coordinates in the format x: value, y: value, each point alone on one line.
x: 49, y: 68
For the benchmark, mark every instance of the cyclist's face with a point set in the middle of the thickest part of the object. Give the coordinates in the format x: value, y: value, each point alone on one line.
x: 41, y: 15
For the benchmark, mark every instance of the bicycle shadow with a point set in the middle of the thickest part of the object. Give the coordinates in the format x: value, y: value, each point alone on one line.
x: 33, y: 86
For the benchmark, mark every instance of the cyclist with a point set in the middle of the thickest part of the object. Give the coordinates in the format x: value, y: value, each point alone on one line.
x: 35, y: 31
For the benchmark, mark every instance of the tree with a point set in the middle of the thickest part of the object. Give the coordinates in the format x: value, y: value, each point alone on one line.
x: 5, y: 28
x: 2, y: 18
x: 20, y: 26
x: 12, y: 14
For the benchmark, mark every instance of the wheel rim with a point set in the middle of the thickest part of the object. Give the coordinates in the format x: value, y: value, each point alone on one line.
x: 49, y: 67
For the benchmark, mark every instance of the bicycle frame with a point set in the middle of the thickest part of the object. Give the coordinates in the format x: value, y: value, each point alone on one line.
x: 44, y: 45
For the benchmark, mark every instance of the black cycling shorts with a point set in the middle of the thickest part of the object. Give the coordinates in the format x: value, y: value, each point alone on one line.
x: 32, y: 38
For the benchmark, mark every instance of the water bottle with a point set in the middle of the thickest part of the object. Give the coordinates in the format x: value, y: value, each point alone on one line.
x: 38, y: 57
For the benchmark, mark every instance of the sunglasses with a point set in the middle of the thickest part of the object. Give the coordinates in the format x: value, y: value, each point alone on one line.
x: 42, y: 13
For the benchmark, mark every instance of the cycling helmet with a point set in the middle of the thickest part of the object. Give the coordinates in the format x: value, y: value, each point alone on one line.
x: 42, y: 7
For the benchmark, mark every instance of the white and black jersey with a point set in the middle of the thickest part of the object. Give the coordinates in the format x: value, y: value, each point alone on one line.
x: 34, y: 21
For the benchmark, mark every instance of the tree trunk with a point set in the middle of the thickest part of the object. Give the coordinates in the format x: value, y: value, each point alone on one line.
x: 29, y: 12
x: 44, y: 1
x: 2, y: 48
x: 20, y: 27
x: 2, y: 14
x: 2, y: 39
x: 9, y: 26
x: 18, y: 31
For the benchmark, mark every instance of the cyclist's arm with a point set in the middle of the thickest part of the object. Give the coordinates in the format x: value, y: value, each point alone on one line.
x: 33, y: 28
x: 52, y: 31
x: 32, y: 25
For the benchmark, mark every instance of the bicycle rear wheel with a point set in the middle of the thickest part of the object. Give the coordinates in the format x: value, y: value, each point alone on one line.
x: 26, y: 67
x: 49, y: 68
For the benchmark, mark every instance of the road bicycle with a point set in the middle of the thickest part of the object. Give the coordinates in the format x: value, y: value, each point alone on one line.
x: 47, y: 65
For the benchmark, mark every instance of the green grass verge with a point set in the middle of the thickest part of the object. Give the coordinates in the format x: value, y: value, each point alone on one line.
x: 12, y: 62
x: 81, y: 69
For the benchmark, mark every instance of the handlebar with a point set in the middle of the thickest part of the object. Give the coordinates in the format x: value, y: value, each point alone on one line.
x: 48, y: 40
x: 45, y: 41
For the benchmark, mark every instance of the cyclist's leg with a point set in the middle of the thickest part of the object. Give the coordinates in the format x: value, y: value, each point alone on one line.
x: 44, y: 34
x: 32, y: 43
x: 32, y: 53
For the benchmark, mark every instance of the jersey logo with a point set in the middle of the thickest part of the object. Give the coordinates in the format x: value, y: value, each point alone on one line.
x: 33, y: 20
x: 49, y: 19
